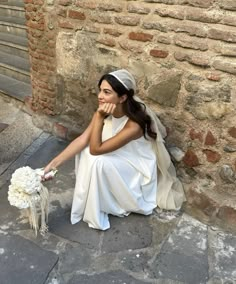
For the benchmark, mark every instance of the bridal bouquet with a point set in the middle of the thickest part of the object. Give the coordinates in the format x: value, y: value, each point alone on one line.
x: 27, y: 192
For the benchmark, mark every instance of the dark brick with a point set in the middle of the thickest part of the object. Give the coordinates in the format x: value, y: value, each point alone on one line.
x: 190, y: 159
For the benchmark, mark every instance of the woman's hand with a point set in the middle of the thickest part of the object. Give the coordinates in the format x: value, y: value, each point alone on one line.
x: 47, y: 169
x: 106, y: 109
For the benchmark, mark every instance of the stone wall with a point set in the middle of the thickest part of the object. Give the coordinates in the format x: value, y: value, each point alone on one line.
x: 183, y: 55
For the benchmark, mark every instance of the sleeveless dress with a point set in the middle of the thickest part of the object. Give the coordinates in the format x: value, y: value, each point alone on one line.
x: 117, y: 183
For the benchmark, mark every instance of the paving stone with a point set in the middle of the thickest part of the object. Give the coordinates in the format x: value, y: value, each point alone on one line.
x: 136, y: 262
x: 222, y: 255
x: 104, y: 262
x: 11, y: 217
x: 23, y: 262
x: 215, y: 281
x: 49, y: 150
x: 114, y: 277
x: 75, y: 258
x: 180, y: 267
x: 80, y: 233
x: 132, y: 232
x: 23, y: 158
x: 188, y: 235
x: 184, y: 256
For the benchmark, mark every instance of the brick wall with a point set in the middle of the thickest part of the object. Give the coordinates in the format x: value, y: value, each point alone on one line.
x: 183, y: 55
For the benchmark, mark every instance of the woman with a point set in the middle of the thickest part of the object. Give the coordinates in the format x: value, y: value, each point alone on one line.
x: 117, y: 158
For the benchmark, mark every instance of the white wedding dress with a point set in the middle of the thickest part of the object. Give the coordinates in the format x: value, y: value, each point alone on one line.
x: 116, y: 183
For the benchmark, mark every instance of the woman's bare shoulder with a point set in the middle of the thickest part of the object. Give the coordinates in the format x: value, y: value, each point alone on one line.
x: 134, y: 127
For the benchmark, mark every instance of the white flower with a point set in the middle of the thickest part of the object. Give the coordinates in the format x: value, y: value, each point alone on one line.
x: 27, y: 192
x: 26, y: 180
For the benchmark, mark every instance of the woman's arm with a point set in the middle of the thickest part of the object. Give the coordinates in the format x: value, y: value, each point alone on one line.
x: 75, y: 147
x: 130, y: 132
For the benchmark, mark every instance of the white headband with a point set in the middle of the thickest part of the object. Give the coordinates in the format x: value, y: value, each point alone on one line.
x: 125, y: 78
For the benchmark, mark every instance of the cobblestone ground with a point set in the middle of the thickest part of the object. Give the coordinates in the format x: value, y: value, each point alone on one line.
x: 164, y: 248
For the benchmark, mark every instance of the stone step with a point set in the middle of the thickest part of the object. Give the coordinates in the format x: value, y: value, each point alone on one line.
x: 12, y: 10
x: 13, y: 25
x: 14, y: 88
x: 14, y: 45
x: 15, y: 67
x: 19, y: 3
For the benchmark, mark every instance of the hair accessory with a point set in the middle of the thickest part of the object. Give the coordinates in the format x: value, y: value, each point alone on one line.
x: 125, y: 78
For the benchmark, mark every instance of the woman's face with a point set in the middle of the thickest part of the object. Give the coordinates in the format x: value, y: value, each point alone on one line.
x: 108, y: 95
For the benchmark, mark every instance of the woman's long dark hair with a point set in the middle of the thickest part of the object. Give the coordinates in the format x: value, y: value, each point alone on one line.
x: 133, y: 109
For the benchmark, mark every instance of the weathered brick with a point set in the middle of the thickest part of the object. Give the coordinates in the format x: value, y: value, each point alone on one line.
x: 196, y: 135
x: 169, y: 2
x: 107, y: 41
x: 191, y: 42
x: 228, y: 4
x: 200, y: 201
x: 228, y: 215
x: 27, y: 16
x: 76, y: 15
x: 159, y: 53
x: 210, y: 139
x: 190, y: 159
x: 29, y: 8
x: 38, y: 2
x: 155, y: 25
x: 60, y: 130
x: 50, y: 35
x: 170, y: 12
x: 138, y: 9
x: 62, y: 12
x: 201, y: 3
x: 133, y: 47
x: 228, y: 66
x: 232, y: 132
x: 86, y: 4
x: 213, y: 76
x: 65, y: 24
x: 200, y: 15
x: 110, y: 7
x: 48, y: 52
x: 36, y: 26
x: 222, y: 34
x: 191, y: 28
x: 212, y: 156
x: 113, y: 32
x: 140, y: 36
x: 128, y: 20
x: 91, y: 29
x: 101, y: 18
x: 43, y: 85
x: 65, y: 2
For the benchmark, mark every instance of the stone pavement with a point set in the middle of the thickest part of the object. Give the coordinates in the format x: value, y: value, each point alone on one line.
x: 163, y: 248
